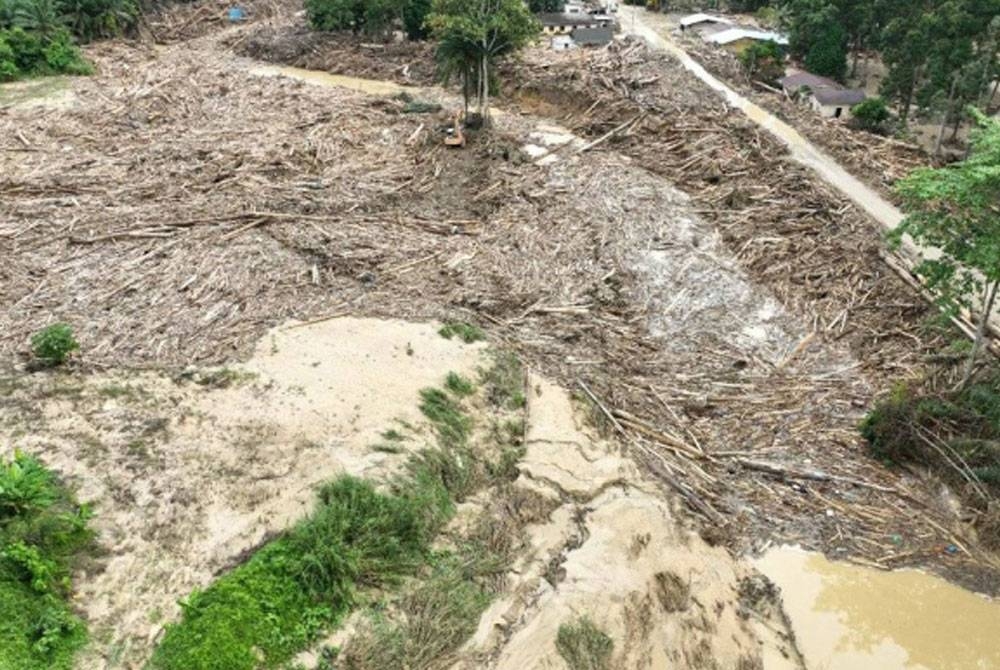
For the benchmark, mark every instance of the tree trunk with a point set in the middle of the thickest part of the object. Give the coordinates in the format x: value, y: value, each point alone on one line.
x: 944, y: 120
x: 970, y: 365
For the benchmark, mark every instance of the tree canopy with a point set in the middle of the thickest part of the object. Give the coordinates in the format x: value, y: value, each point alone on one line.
x: 473, y: 34
x: 957, y: 209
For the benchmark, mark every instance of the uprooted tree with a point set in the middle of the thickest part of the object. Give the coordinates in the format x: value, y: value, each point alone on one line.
x: 472, y: 35
x: 957, y: 209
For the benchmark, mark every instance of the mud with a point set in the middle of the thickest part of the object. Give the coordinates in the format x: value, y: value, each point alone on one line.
x: 614, y: 551
x: 849, y: 617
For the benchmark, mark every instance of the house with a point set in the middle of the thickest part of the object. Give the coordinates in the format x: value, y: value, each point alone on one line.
x: 703, y: 22
x: 562, y: 42
x: 827, y: 97
x: 737, y: 39
x: 593, y: 37
x: 565, y: 24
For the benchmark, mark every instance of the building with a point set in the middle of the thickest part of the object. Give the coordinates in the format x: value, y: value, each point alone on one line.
x: 704, y: 22
x: 737, y: 39
x: 827, y: 97
x: 565, y: 24
x: 593, y: 37
x: 562, y: 42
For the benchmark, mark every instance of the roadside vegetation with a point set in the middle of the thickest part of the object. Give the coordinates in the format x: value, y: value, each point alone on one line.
x: 366, y: 545
x: 955, y: 431
x: 43, y: 534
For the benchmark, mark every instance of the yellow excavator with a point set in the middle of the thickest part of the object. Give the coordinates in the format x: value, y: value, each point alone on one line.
x: 455, y: 136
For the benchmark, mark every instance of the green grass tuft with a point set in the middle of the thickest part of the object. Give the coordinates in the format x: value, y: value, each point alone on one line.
x: 459, y: 385
x: 584, y: 646
x: 43, y: 531
x: 465, y: 332
x: 504, y: 381
x: 452, y: 424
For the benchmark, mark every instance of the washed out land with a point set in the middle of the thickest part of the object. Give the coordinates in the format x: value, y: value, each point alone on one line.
x: 346, y: 397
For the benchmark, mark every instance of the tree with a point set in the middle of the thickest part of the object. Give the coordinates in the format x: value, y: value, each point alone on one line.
x: 764, y: 60
x: 473, y: 34
x: 537, y: 6
x: 957, y: 209
x: 817, y: 36
x: 870, y: 115
x: 415, y: 17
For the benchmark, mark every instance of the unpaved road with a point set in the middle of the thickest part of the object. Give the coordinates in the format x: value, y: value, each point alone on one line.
x: 638, y: 22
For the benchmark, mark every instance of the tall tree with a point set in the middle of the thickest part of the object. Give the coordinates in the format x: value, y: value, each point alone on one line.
x: 957, y: 209
x: 476, y: 33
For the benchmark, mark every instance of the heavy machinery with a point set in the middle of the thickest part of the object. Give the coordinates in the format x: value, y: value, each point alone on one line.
x: 456, y: 136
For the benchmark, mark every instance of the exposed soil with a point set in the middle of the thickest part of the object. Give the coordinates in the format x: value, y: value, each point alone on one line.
x: 190, y: 473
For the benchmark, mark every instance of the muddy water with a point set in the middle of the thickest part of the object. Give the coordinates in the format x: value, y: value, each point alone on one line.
x: 370, y: 86
x: 847, y: 617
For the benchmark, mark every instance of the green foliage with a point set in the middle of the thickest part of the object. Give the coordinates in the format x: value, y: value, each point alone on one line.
x: 415, y: 18
x: 954, y: 434
x: 827, y: 55
x: 446, y: 414
x: 53, y: 345
x: 465, y: 332
x: 504, y: 381
x: 955, y: 209
x: 268, y: 609
x: 584, y: 646
x: 764, y: 60
x: 42, y: 532
x: 472, y: 36
x: 439, y: 614
x: 373, y: 17
x: 303, y: 583
x: 871, y: 115
x: 551, y: 6
x: 459, y: 385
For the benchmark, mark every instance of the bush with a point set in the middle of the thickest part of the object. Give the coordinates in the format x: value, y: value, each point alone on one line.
x: 871, y: 115
x: 584, y: 646
x: 764, y: 60
x: 29, y: 54
x: 54, y: 344
x: 43, y: 531
x: 956, y: 435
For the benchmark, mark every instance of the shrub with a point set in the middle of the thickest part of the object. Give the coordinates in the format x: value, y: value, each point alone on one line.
x: 764, y: 60
x: 54, y: 344
x: 584, y: 646
x: 871, y: 115
x: 43, y: 531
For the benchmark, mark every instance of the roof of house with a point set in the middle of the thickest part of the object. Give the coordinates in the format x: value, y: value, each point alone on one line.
x: 695, y: 19
x: 826, y: 91
x: 556, y: 19
x: 736, y: 34
x: 843, y: 96
x: 593, y: 36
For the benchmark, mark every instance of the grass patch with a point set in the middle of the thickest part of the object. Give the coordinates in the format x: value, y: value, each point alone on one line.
x: 464, y: 331
x: 459, y: 385
x: 222, y: 378
x: 584, y: 646
x: 452, y: 424
x: 393, y: 435
x: 298, y: 586
x: 43, y: 531
x: 504, y: 381
x: 302, y: 584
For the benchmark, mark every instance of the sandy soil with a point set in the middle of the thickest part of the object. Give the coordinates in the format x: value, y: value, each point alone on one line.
x: 613, y: 551
x: 187, y: 474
